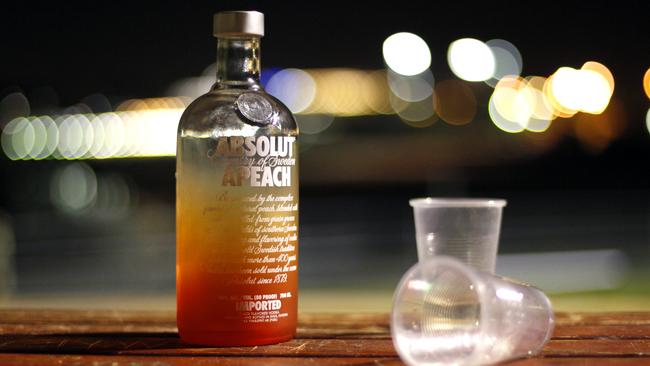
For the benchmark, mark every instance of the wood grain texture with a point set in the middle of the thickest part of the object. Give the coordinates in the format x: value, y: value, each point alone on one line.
x: 56, y: 337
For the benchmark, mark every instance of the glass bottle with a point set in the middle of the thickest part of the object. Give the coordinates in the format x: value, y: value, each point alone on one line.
x: 237, y: 202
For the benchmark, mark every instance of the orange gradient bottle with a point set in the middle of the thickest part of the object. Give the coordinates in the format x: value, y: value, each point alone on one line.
x: 237, y: 202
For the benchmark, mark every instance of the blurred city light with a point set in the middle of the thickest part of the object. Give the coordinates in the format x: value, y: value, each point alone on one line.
x: 411, y: 88
x: 406, y: 53
x: 455, y: 102
x: 511, y: 104
x: 647, y: 120
x: 471, y: 59
x: 14, y: 105
x: 339, y: 92
x: 141, y: 127
x: 519, y: 104
x: 18, y: 138
x: 507, y: 60
x: 73, y: 187
x: 585, y: 90
x: 294, y: 87
x: 416, y: 114
x: 376, y: 93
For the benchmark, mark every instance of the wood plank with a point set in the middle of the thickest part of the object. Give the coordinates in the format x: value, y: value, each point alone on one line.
x: 94, y: 360
x: 581, y: 361
x: 597, y: 348
x: 617, y: 318
x: 602, y: 332
x: 142, y: 344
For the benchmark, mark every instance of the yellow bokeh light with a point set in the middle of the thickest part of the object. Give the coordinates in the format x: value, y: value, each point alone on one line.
x: 519, y: 104
x: 566, y: 89
x: 513, y: 100
x: 602, y: 70
x: 558, y: 109
x: 338, y: 92
x: 153, y: 103
x: 375, y: 92
x: 587, y: 90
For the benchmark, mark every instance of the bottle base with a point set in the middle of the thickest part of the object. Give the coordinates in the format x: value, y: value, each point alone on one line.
x: 218, y: 339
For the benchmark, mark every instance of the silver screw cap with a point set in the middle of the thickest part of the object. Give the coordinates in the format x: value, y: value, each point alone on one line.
x: 236, y: 24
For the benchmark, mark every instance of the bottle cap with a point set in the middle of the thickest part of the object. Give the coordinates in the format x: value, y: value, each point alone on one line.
x: 238, y: 24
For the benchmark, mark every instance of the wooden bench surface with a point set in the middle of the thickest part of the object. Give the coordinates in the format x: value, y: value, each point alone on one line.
x: 134, y: 338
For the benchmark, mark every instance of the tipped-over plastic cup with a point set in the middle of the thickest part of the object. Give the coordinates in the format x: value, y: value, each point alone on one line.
x: 464, y: 228
x: 448, y: 313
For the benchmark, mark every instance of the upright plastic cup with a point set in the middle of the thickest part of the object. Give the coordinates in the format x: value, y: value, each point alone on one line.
x: 464, y: 228
x: 448, y: 313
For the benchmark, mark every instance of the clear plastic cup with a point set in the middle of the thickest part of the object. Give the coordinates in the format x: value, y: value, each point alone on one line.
x: 448, y: 313
x: 464, y: 228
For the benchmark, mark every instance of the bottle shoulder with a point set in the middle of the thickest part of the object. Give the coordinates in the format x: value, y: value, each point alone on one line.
x: 217, y: 113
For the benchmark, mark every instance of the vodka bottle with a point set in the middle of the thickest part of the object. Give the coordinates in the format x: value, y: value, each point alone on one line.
x: 237, y: 202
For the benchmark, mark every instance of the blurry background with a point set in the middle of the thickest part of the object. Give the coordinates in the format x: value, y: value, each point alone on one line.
x: 545, y: 105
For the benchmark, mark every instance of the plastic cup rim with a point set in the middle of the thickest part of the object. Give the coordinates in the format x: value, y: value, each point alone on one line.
x: 457, y: 202
x: 479, y: 286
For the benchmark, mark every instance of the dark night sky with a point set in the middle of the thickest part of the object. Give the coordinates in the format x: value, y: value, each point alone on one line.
x: 136, y: 49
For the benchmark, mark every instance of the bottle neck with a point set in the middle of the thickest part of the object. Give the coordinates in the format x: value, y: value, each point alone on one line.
x: 238, y: 63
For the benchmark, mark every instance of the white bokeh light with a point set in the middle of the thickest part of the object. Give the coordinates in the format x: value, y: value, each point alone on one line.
x: 406, y: 53
x: 507, y: 60
x: 411, y: 88
x: 471, y: 59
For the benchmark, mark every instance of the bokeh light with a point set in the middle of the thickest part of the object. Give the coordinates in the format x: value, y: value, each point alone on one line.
x: 411, y: 88
x: 14, y: 105
x: 40, y: 137
x: 519, y: 104
x: 647, y: 120
x: 471, y: 59
x: 507, y: 60
x: 406, y: 53
x: 455, y: 102
x: 51, y: 137
x: 18, y: 138
x: 294, y: 87
x: 144, y: 127
x: 339, y: 92
x: 584, y: 90
x: 73, y: 188
x: 416, y: 114
x: 375, y: 92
